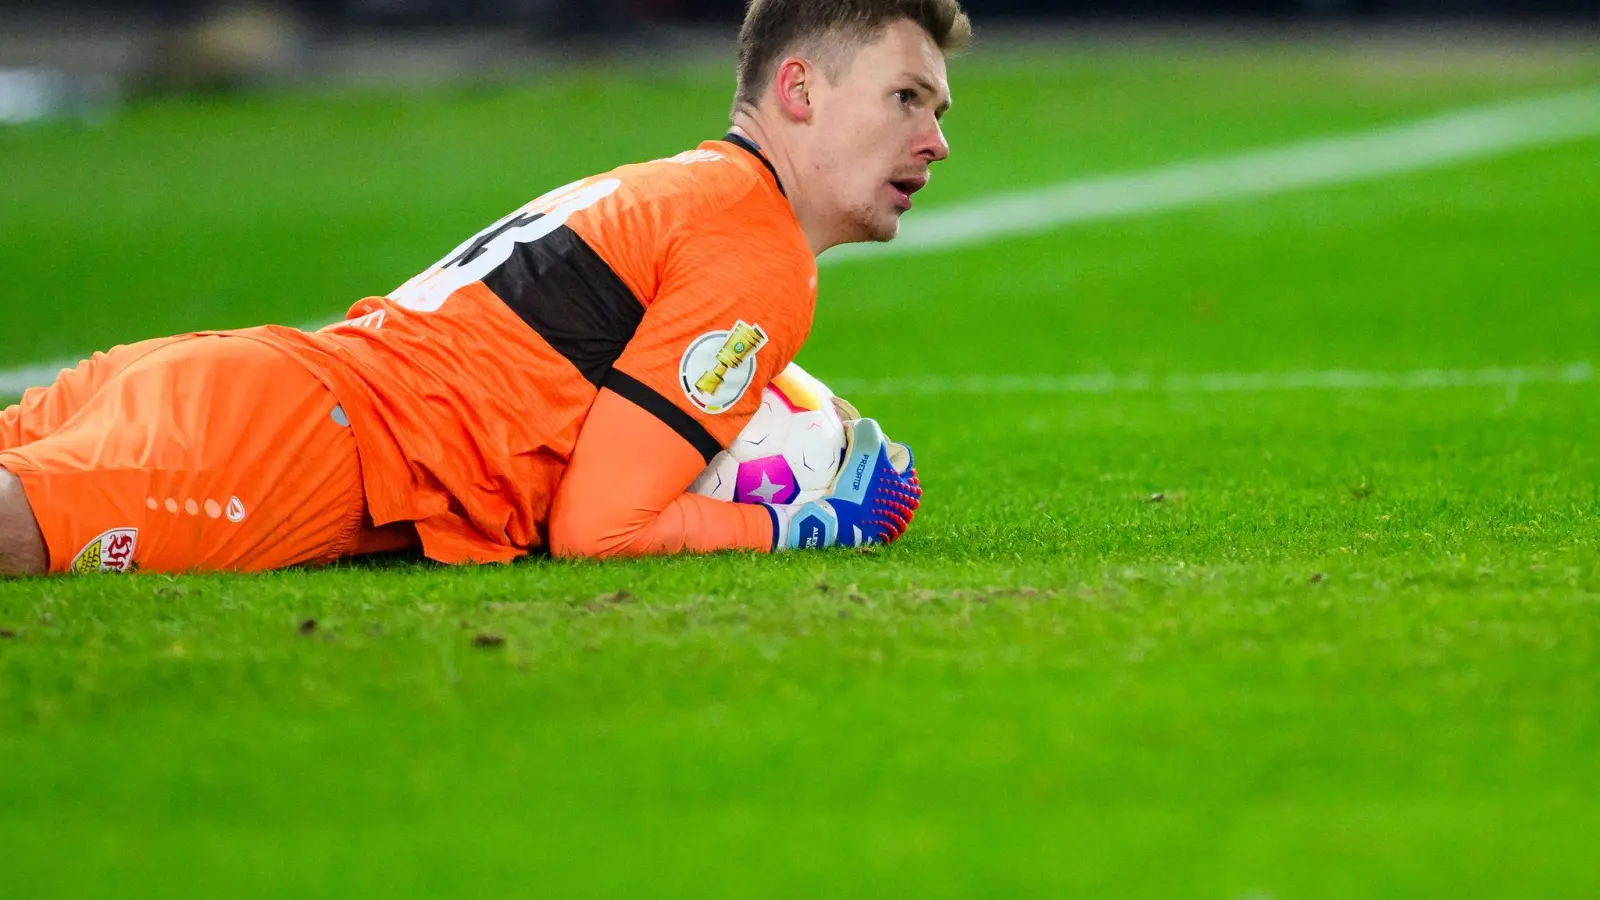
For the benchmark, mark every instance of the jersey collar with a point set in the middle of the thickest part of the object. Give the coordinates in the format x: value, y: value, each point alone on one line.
x: 749, y: 146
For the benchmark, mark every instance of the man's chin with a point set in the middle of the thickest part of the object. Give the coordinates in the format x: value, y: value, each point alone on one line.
x: 885, y: 231
x: 878, y: 229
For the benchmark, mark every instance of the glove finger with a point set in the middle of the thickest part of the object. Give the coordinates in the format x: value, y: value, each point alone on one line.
x: 910, y: 488
x: 893, y: 514
x: 895, y: 522
x: 904, y: 505
x: 912, y: 479
x: 912, y: 495
x: 900, y: 457
x: 867, y: 426
x: 863, y: 458
x: 863, y: 436
x: 899, y: 516
x: 888, y: 532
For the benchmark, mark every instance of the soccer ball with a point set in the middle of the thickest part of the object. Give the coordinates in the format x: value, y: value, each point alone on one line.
x: 790, y: 451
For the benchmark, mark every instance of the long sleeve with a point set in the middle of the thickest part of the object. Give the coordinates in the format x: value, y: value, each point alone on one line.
x: 623, y: 493
x: 733, y: 287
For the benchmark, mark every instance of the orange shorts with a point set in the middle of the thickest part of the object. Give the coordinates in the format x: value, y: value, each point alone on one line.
x: 196, y: 453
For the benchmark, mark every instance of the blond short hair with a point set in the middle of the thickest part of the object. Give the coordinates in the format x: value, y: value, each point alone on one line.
x: 774, y: 28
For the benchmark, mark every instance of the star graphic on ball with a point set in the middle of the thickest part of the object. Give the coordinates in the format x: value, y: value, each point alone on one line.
x: 768, y: 489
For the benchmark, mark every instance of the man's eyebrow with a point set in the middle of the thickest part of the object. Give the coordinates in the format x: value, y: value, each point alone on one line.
x: 925, y: 85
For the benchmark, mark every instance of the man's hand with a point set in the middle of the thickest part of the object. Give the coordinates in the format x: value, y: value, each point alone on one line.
x: 872, y: 502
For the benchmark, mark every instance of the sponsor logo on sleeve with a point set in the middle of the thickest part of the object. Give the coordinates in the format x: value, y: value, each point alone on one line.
x: 719, y: 366
x: 110, y: 552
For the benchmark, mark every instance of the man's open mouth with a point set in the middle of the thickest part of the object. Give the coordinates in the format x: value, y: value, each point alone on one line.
x: 905, y: 187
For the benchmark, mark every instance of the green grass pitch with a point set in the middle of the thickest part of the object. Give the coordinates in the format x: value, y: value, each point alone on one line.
x: 1353, y: 649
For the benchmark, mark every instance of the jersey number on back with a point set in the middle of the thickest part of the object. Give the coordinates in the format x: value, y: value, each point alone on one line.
x: 490, y: 248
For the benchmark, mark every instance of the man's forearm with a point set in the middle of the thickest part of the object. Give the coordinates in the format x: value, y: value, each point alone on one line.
x: 623, y: 493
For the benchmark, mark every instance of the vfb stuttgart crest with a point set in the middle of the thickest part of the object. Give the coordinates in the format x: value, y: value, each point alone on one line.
x: 719, y: 366
x: 110, y: 552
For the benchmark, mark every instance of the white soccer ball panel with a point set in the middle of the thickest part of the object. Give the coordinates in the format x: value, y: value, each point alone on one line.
x: 718, y: 478
x: 766, y: 432
x: 789, y: 452
x: 815, y: 448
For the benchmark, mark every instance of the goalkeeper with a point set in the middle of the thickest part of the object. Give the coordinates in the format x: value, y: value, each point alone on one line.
x: 555, y: 381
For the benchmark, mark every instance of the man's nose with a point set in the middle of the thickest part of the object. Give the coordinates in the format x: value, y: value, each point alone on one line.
x: 931, y: 145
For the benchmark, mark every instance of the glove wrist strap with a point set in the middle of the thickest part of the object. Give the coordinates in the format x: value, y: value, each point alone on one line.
x: 803, y: 526
x: 780, y: 525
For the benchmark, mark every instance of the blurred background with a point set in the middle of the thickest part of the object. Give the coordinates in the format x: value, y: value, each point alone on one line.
x: 66, y: 55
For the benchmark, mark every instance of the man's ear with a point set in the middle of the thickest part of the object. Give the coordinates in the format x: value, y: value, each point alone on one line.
x: 795, y: 78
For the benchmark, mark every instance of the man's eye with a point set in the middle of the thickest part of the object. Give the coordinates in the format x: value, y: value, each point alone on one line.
x: 905, y: 96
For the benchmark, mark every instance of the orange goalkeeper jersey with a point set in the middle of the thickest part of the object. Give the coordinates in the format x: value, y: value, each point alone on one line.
x: 683, y: 285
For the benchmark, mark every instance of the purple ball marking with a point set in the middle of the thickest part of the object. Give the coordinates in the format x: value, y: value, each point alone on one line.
x: 777, y: 472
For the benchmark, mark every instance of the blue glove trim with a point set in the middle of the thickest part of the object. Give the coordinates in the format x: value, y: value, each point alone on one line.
x: 777, y: 527
x: 855, y: 477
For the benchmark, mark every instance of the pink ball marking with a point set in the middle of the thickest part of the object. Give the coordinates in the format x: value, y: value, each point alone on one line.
x: 777, y: 474
x: 785, y: 398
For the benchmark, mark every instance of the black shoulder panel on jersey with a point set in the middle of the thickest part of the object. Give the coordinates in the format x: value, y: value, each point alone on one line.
x: 569, y: 294
x: 645, y: 397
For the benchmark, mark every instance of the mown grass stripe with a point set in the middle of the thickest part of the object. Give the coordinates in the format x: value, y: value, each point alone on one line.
x: 1221, y: 382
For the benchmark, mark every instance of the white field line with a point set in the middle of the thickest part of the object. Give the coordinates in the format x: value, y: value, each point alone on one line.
x: 1476, y: 133
x: 1218, y: 383
x: 15, y: 381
